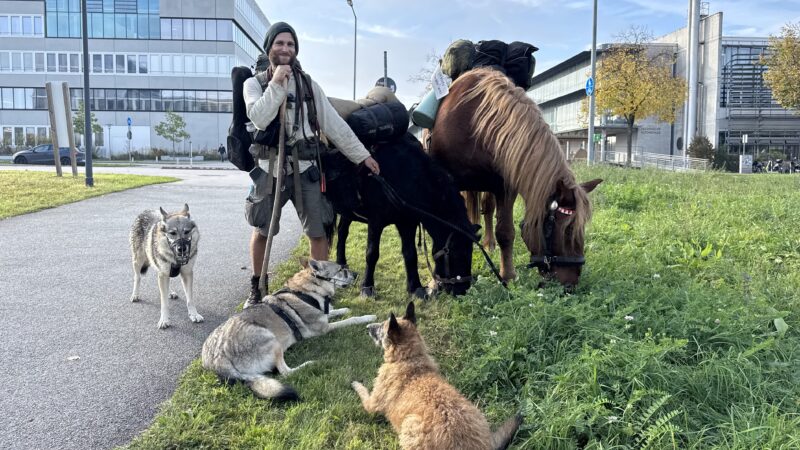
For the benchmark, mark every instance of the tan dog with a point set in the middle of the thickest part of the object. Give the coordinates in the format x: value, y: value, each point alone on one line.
x: 425, y: 411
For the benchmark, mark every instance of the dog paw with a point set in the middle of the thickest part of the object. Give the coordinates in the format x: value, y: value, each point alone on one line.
x: 371, y: 317
x: 368, y: 292
x: 173, y: 295
x: 135, y: 298
x: 163, y: 323
x: 356, y: 386
x: 195, y: 317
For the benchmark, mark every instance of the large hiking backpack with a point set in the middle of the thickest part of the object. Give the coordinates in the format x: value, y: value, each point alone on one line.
x: 381, y: 122
x: 520, y: 63
x: 239, y: 139
x: 490, y: 54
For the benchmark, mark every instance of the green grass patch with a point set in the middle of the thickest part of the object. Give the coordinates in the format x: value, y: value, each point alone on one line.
x: 682, y: 334
x: 28, y: 191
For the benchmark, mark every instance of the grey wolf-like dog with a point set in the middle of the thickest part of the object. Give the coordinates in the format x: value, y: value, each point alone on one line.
x: 168, y: 243
x: 253, y: 341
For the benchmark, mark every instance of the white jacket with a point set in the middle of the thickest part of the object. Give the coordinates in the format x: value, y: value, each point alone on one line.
x: 263, y: 106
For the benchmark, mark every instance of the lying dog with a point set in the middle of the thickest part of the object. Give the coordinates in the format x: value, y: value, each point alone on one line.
x: 425, y: 411
x: 253, y: 341
x: 168, y: 243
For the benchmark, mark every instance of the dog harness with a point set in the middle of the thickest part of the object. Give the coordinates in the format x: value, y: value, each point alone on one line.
x: 308, y: 299
x: 282, y: 314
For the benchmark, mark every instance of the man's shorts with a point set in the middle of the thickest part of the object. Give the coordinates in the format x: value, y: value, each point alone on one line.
x: 314, y: 206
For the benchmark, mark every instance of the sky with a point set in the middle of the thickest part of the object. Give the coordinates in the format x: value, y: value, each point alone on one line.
x: 411, y: 30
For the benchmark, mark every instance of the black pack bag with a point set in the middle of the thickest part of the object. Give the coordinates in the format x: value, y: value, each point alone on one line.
x: 239, y: 139
x: 490, y: 54
x: 380, y: 122
x: 520, y: 63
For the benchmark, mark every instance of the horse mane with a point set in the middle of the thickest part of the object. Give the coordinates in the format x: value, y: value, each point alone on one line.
x: 509, y: 125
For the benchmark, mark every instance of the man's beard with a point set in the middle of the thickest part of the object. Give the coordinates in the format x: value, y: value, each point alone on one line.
x: 275, y: 59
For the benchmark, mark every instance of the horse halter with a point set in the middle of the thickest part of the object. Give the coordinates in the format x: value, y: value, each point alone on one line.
x: 549, y: 260
x: 444, y: 252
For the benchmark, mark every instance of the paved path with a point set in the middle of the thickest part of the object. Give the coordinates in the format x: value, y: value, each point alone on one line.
x: 65, y: 284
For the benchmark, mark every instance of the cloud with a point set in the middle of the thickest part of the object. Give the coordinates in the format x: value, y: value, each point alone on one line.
x: 385, y: 31
x: 578, y: 5
x: 328, y: 40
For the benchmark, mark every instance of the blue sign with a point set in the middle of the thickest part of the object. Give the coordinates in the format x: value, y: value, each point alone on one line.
x: 130, y: 121
x: 590, y: 86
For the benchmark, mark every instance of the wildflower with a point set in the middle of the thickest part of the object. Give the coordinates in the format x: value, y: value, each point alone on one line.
x: 530, y: 304
x: 540, y: 294
x: 612, y: 419
x: 492, y: 333
x: 628, y: 318
x: 717, y: 321
x: 656, y: 276
x: 494, y: 317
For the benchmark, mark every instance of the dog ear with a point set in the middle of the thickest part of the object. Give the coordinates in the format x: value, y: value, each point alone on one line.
x: 315, y: 265
x: 394, y: 327
x: 164, y: 214
x: 410, y: 314
x: 303, y: 262
x: 185, y: 210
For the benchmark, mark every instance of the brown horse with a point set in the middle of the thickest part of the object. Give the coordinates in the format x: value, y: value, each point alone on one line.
x: 492, y: 138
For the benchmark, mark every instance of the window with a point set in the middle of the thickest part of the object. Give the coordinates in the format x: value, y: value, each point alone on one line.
x: 224, y: 30
x: 108, y: 25
x: 178, y: 64
x: 177, y: 29
x: 19, y: 98
x: 142, y: 63
x: 188, y: 63
x: 154, y: 27
x: 30, y: 136
x: 29, y: 98
x: 225, y: 101
x: 41, y: 135
x: 188, y: 29
x: 27, y: 62
x: 51, y: 62
x: 211, y: 30
x: 19, y: 136
x: 109, y: 63
x: 27, y: 25
x: 39, y: 62
x: 167, y: 97
x: 213, y: 104
x: 8, y: 98
x: 223, y: 64
x: 155, y: 63
x: 166, y: 63
x: 130, y: 26
x: 52, y: 24
x: 120, y: 64
x: 74, y: 25
x: 16, y: 62
x: 166, y: 29
x: 157, y: 104
x: 97, y: 63
x: 62, y: 62
x: 38, y: 26
x: 16, y: 25
x: 199, y: 30
x: 95, y: 25
x: 191, y: 105
x: 5, y: 62
x: 200, y: 64
x: 119, y: 26
x: 202, y: 104
x: 211, y: 64
x: 111, y: 98
x: 40, y: 98
x: 74, y: 65
x: 131, y: 63
x: 5, y: 26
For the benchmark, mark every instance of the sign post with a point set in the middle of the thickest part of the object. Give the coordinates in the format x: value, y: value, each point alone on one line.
x: 590, y: 89
x: 130, y: 136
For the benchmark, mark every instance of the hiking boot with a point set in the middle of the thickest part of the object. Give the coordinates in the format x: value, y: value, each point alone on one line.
x: 255, y: 293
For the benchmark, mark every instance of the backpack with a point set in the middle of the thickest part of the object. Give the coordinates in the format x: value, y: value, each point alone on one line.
x: 520, y: 63
x: 239, y: 139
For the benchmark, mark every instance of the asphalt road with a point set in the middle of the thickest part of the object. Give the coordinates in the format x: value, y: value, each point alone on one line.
x: 81, y: 367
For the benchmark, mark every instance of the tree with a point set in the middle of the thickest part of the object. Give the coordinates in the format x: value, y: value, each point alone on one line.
x: 636, y: 82
x: 173, y: 129
x: 783, y: 66
x: 79, y: 123
x: 701, y: 148
x: 426, y: 72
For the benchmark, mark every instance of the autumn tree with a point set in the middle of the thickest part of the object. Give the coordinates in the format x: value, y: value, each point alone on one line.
x: 173, y: 129
x: 79, y: 123
x: 783, y: 66
x: 634, y: 81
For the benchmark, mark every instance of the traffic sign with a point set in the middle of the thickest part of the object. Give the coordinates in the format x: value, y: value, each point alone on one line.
x: 597, y: 137
x: 744, y: 139
x: 590, y: 86
x: 129, y: 121
x: 389, y: 83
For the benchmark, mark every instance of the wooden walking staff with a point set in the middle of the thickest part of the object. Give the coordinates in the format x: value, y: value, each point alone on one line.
x: 276, y: 204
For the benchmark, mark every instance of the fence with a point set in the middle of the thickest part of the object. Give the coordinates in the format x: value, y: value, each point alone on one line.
x: 641, y: 158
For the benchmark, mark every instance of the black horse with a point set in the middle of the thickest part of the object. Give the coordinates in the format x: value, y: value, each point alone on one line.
x: 410, y: 181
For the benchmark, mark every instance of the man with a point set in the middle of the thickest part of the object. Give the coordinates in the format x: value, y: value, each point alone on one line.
x: 221, y: 151
x: 263, y: 95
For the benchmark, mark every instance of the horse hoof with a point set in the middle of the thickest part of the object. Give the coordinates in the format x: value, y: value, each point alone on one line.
x: 368, y: 292
x: 422, y: 293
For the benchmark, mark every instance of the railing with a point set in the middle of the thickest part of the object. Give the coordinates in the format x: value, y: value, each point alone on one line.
x: 656, y: 160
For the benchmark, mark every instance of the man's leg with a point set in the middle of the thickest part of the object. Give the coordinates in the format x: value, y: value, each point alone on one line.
x: 258, y: 245
x: 319, y: 248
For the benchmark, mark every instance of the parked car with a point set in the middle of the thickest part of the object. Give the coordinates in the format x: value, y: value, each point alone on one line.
x: 43, y: 154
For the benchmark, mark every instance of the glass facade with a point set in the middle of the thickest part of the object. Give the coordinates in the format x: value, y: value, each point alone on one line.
x: 23, y: 136
x: 569, y: 81
x: 203, y: 65
x: 21, y: 26
x: 119, y: 19
x: 248, y: 9
x: 196, y: 29
x: 155, y: 100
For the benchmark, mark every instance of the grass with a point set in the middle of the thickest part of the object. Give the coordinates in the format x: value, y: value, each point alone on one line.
x: 682, y: 334
x: 28, y: 191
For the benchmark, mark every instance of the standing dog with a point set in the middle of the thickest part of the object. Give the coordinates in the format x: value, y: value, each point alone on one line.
x: 253, y: 341
x: 425, y: 411
x: 168, y: 242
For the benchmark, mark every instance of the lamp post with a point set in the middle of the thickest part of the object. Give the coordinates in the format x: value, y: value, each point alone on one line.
x: 355, y: 42
x: 108, y: 141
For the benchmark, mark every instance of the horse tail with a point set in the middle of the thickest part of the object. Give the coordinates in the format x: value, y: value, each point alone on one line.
x: 472, y: 200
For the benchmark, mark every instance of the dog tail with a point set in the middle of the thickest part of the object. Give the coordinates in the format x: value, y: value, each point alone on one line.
x: 270, y: 388
x: 505, y: 432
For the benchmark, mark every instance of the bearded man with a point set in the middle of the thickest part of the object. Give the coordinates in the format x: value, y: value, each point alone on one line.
x: 279, y: 77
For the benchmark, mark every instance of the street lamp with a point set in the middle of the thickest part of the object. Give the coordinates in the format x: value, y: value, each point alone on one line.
x: 355, y: 41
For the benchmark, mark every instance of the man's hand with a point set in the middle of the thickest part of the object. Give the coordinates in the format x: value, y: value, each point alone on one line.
x: 372, y: 165
x: 282, y: 73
